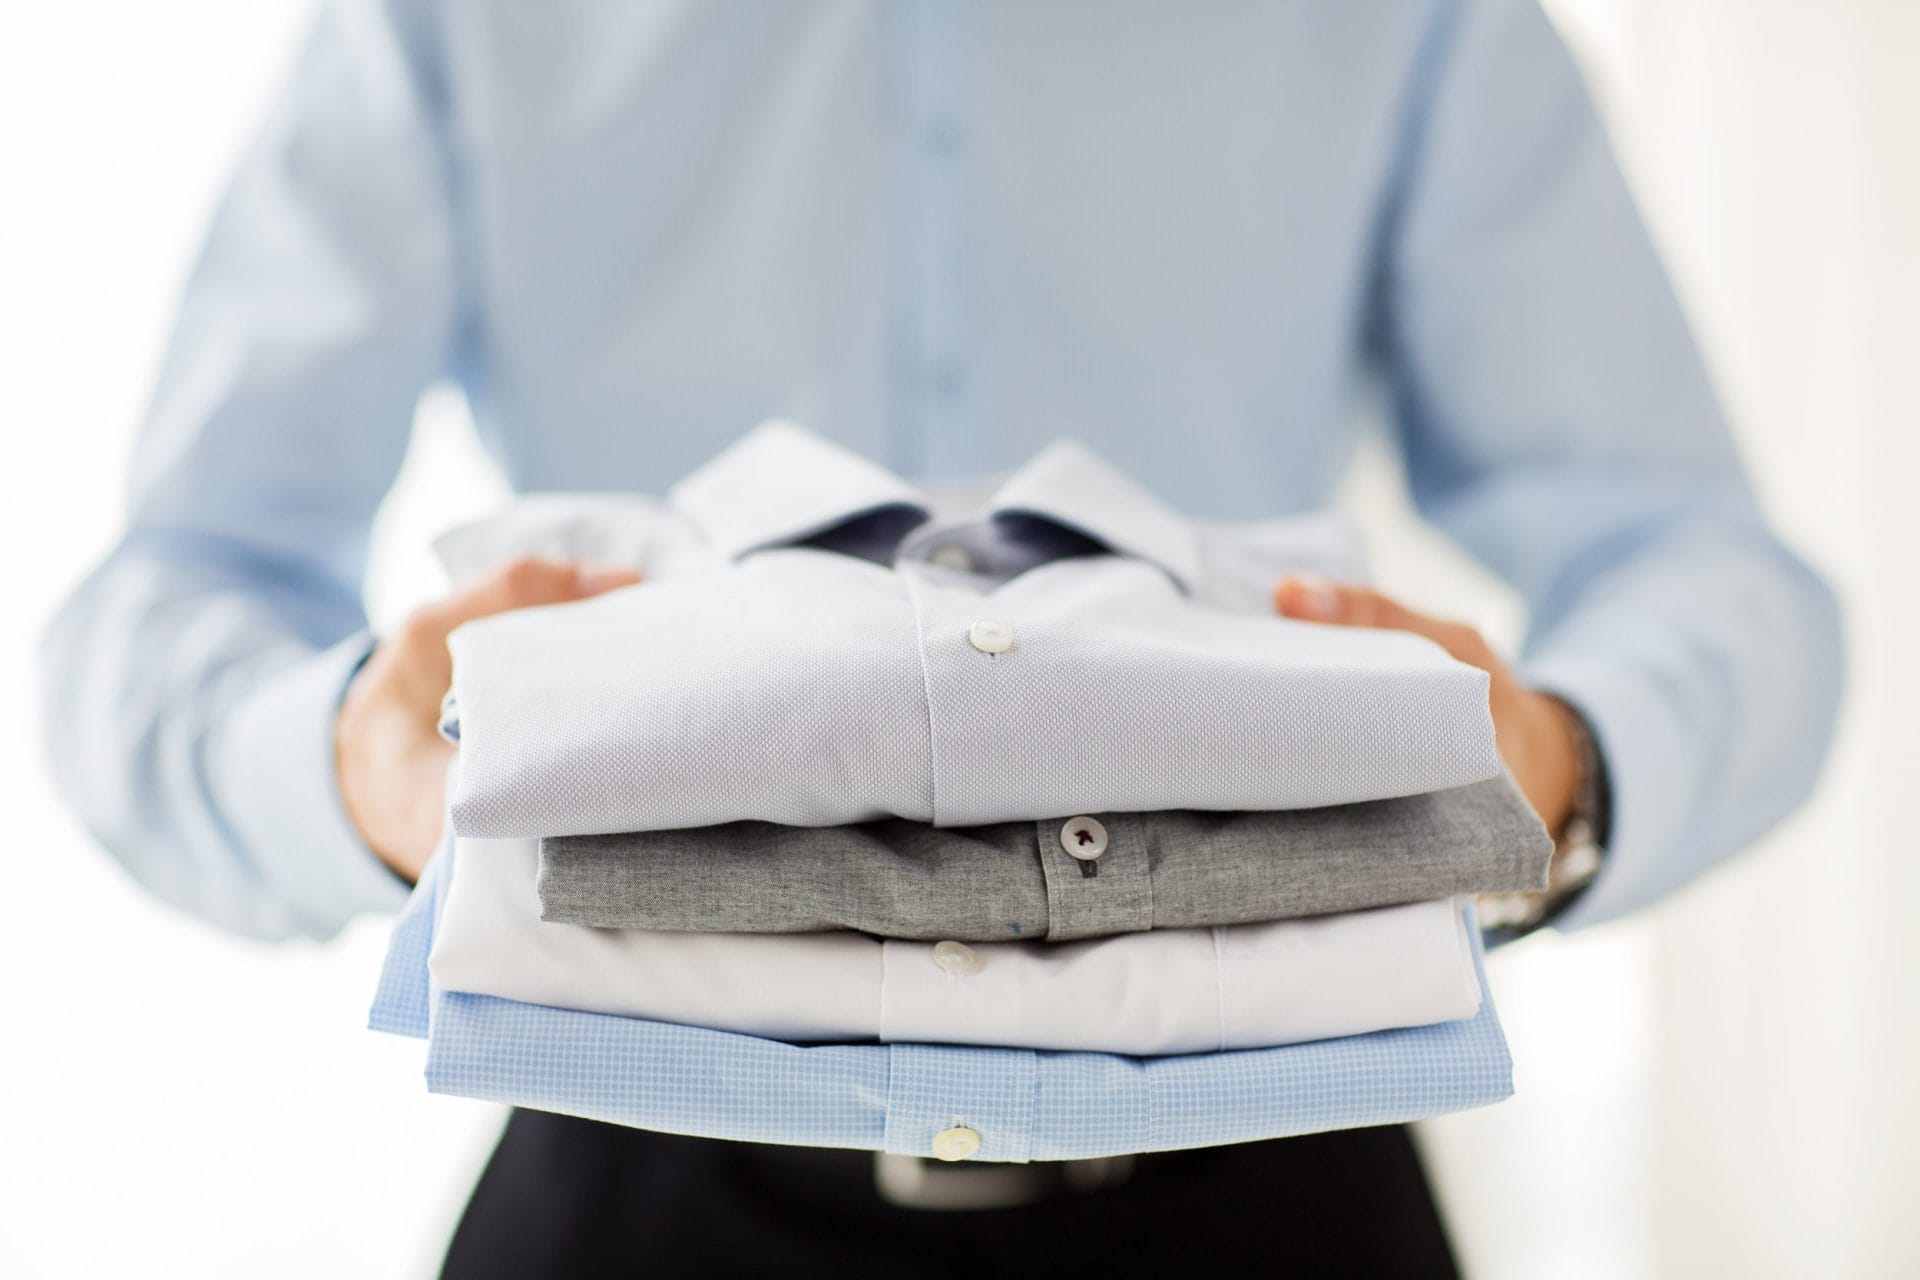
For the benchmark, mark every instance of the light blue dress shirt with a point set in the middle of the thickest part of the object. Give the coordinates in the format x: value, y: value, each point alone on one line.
x: 1025, y: 1105
x: 941, y: 233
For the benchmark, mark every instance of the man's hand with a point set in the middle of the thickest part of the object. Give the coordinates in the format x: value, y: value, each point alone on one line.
x: 387, y: 748
x: 1532, y: 729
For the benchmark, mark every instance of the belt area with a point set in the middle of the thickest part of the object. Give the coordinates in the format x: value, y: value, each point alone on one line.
x: 915, y: 1182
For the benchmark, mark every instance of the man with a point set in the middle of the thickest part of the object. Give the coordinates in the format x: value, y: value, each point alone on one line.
x: 941, y: 233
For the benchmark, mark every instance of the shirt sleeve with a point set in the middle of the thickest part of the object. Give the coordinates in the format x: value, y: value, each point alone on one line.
x: 192, y: 679
x: 1557, y: 420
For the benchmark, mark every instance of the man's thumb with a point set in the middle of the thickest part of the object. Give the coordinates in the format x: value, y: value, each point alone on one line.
x: 527, y: 582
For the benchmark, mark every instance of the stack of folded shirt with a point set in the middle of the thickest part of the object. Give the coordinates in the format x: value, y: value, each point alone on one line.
x: 1006, y: 826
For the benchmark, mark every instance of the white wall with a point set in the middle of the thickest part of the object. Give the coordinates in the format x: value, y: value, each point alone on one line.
x: 1721, y: 1087
x: 1777, y: 144
x: 1738, y: 1063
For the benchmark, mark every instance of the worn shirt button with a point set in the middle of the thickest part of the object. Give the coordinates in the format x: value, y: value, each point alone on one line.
x: 957, y: 1143
x: 954, y: 557
x: 1084, y: 838
x: 943, y: 136
x: 946, y: 378
x: 990, y: 635
x: 956, y: 958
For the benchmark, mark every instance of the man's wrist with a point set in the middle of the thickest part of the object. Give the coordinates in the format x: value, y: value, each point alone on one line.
x: 1571, y: 747
x: 1579, y: 834
x: 384, y: 763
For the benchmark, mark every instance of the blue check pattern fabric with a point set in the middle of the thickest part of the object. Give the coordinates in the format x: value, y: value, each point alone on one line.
x: 1025, y: 1105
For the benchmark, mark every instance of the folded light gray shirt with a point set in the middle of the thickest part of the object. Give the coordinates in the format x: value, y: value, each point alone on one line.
x: 1082, y: 877
x: 819, y: 642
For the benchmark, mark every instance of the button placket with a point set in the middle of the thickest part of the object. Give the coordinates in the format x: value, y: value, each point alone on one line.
x: 1084, y: 839
x: 1081, y: 905
x: 972, y: 663
x: 929, y: 209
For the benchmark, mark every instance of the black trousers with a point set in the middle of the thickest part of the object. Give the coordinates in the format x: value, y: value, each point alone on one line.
x: 578, y: 1199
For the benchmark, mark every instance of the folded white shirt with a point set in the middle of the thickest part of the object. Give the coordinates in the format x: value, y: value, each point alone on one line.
x: 1066, y: 646
x: 1166, y: 991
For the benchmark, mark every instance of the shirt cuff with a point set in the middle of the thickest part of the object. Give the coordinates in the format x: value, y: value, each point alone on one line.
x: 271, y: 770
x: 1633, y: 729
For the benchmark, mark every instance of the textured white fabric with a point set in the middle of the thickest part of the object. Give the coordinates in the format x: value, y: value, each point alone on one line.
x: 806, y: 686
x: 600, y: 530
x: 1166, y: 991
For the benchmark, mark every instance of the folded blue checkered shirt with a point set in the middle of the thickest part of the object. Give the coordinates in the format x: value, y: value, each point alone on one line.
x: 1025, y: 1105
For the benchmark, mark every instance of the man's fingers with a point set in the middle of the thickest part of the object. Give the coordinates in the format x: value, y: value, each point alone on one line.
x: 523, y: 584
x: 416, y: 661
x: 594, y: 581
x: 1312, y: 599
x: 534, y: 581
x: 1309, y: 599
x: 1532, y: 728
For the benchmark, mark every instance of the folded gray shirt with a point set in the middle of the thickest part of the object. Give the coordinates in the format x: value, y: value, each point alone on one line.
x: 1081, y: 877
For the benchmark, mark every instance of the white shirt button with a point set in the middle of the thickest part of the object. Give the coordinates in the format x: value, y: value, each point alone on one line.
x: 954, y: 557
x: 1084, y: 838
x: 957, y: 1143
x: 956, y: 958
x: 990, y: 635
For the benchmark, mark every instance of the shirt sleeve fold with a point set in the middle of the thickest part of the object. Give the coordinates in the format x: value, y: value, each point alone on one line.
x: 190, y: 683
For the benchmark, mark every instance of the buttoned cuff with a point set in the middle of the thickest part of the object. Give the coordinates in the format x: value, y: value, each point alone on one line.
x: 271, y: 771
x: 1633, y: 728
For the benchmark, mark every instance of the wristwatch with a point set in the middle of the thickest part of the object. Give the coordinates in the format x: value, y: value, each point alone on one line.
x: 1577, y: 852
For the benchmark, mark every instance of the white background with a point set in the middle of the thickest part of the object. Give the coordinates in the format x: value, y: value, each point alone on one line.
x: 1722, y: 1086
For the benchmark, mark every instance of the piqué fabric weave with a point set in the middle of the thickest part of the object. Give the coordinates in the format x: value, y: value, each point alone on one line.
x: 789, y: 683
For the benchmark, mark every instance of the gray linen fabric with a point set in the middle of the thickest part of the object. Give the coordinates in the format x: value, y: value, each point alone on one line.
x: 1178, y: 869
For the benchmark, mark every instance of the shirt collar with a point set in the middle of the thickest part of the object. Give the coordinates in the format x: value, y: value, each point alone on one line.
x: 781, y: 484
x: 1073, y: 486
